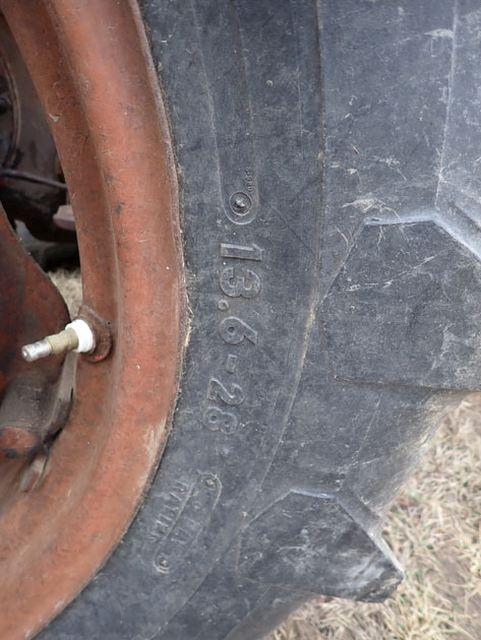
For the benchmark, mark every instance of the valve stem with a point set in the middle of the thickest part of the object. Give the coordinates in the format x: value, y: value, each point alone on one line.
x: 77, y: 336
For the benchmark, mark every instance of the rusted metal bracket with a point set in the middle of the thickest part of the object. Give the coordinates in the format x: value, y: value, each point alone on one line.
x: 34, y: 397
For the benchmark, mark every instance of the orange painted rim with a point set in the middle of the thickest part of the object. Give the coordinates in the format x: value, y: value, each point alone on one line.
x: 90, y: 64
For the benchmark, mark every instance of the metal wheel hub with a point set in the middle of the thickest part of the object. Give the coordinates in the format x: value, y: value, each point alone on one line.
x: 71, y: 481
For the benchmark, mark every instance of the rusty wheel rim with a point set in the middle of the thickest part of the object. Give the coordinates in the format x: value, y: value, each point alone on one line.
x: 91, y: 68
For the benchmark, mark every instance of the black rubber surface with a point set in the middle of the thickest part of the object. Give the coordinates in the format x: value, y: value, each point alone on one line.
x: 329, y: 162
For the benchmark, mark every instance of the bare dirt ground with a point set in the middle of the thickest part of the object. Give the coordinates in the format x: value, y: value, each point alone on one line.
x: 434, y: 528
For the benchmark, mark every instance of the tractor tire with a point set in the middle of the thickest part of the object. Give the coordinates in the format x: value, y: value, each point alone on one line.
x: 327, y: 155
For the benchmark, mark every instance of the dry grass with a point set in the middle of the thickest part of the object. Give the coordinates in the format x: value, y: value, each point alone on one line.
x: 69, y: 284
x: 434, y: 528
